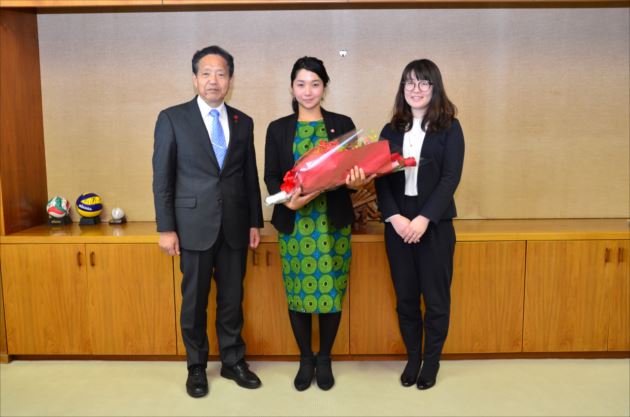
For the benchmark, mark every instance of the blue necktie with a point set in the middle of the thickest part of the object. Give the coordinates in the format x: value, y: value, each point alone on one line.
x: 218, y: 138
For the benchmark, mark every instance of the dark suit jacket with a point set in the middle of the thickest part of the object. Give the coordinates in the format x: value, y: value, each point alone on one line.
x: 439, y: 172
x: 191, y: 196
x: 279, y: 159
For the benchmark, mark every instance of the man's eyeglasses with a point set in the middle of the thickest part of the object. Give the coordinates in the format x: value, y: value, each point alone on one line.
x: 423, y: 85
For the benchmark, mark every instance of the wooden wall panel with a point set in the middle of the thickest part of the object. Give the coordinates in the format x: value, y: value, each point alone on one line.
x: 22, y: 160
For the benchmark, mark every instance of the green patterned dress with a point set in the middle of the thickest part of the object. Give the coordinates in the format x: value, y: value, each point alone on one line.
x: 316, y: 256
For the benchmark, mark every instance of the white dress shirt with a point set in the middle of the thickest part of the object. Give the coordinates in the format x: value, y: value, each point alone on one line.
x: 207, y: 119
x: 412, y: 145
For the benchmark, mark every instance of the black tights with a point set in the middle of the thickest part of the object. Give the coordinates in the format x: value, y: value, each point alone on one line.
x: 301, y: 323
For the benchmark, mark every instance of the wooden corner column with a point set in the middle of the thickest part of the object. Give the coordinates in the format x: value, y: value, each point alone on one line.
x: 22, y: 159
x: 23, y: 191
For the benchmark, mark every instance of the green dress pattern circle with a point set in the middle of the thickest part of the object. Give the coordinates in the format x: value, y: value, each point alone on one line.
x: 316, y: 256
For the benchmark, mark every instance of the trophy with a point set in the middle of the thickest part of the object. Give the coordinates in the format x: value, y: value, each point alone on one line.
x: 58, y: 210
x: 89, y: 206
x: 118, y: 216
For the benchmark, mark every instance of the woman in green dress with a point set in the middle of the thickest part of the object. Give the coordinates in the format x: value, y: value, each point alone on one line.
x: 313, y: 229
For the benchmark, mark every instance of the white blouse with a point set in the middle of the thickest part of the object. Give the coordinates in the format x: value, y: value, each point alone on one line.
x: 412, y: 145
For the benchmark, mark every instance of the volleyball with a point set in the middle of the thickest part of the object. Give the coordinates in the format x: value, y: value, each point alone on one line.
x: 57, y: 207
x: 89, y: 205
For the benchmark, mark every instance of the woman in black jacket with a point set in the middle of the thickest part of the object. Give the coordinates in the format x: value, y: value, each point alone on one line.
x: 313, y: 229
x: 417, y: 206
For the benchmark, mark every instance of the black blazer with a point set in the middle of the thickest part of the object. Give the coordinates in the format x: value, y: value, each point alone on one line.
x: 279, y: 159
x: 191, y: 196
x: 439, y: 172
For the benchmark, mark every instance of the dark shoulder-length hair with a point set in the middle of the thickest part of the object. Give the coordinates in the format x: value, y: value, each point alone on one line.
x: 312, y: 64
x: 441, y: 110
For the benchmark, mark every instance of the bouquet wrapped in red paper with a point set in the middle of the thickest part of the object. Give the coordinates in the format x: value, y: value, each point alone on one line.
x: 327, y: 165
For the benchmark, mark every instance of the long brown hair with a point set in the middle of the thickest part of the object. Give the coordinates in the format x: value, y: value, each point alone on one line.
x: 441, y: 110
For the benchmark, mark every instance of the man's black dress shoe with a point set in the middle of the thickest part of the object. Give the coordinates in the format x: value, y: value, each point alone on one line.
x: 410, y: 375
x: 304, y: 377
x: 241, y: 374
x: 429, y: 377
x: 323, y: 372
x: 197, y: 382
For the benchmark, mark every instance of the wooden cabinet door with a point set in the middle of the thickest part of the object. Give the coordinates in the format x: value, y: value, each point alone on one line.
x: 254, y: 299
x: 487, y: 298
x: 619, y: 327
x: 45, y: 298
x: 131, y: 305
x: 567, y: 304
x: 373, y: 322
x: 276, y: 334
x: 271, y: 308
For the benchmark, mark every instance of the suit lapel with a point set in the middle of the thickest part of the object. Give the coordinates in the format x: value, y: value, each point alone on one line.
x: 331, y: 128
x: 287, y: 144
x: 234, y: 130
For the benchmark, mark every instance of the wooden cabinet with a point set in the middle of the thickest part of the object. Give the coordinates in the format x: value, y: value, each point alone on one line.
x: 619, y: 326
x: 269, y: 305
x: 104, y: 299
x: 487, y: 298
x: 4, y: 351
x: 130, y: 299
x: 107, y: 290
x: 486, y: 308
x: 373, y: 320
x: 45, y: 298
x: 266, y: 327
x: 574, y: 296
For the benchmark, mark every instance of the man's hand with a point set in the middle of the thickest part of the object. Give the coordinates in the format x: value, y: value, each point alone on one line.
x: 415, y: 230
x: 169, y: 243
x: 298, y: 201
x: 400, y: 224
x: 254, y: 237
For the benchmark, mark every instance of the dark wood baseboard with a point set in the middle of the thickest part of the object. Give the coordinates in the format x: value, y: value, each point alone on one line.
x: 278, y: 358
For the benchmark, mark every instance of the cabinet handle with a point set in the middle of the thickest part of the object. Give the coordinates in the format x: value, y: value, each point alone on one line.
x: 268, y: 257
x: 79, y: 259
x: 92, y: 259
x: 607, y: 255
x: 254, y: 257
x: 620, y: 255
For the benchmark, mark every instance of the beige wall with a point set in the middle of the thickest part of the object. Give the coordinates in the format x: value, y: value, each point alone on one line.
x: 543, y: 94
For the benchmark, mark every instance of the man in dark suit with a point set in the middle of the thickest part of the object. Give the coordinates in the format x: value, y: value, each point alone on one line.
x: 208, y: 210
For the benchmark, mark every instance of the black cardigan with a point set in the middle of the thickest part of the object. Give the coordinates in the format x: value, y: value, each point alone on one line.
x: 279, y: 159
x: 439, y: 172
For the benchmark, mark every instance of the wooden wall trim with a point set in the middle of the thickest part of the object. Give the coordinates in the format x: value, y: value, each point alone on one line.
x: 113, y: 6
x: 22, y: 159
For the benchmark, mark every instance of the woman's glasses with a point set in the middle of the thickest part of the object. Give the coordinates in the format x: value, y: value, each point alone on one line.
x: 423, y: 85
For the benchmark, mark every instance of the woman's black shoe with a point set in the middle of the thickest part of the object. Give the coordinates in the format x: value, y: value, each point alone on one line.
x: 323, y: 373
x: 305, y: 374
x: 410, y: 374
x: 428, y: 376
